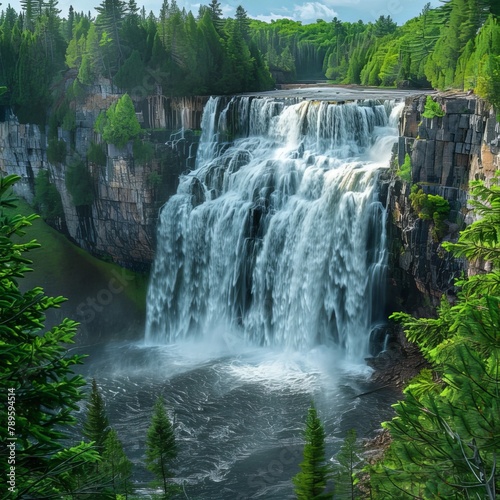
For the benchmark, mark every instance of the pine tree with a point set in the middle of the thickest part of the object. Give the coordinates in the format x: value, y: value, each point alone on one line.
x: 161, y: 448
x: 238, y: 63
x: 116, y: 467
x: 349, y: 462
x: 110, y: 20
x: 96, y: 426
x: 311, y: 482
x: 36, y: 372
x: 446, y: 434
x: 215, y: 11
x: 121, y: 122
x: 68, y: 26
x: 243, y: 22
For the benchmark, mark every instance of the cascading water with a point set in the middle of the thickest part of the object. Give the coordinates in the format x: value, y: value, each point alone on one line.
x: 278, y: 234
x: 269, y: 277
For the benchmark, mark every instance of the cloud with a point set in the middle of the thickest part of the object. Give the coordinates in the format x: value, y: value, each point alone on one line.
x: 342, y: 3
x: 310, y: 11
x: 270, y: 17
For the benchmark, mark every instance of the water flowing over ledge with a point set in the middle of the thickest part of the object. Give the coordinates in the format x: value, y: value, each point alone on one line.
x: 278, y: 235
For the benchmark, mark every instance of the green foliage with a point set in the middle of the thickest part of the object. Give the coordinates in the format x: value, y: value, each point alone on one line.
x: 431, y: 207
x: 47, y: 198
x: 69, y: 120
x: 161, y: 448
x: 404, y: 171
x: 56, y: 150
x: 311, y: 482
x: 96, y: 154
x: 155, y: 179
x: 132, y: 72
x: 481, y: 240
x: 96, y: 427
x: 36, y: 371
x: 121, y: 124
x: 143, y: 151
x: 488, y: 85
x: 116, y: 467
x: 80, y: 184
x: 446, y: 434
x: 349, y: 463
x: 100, y: 122
x: 432, y: 109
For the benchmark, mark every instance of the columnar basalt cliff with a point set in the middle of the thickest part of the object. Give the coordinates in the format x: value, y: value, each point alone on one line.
x: 120, y: 223
x: 446, y: 154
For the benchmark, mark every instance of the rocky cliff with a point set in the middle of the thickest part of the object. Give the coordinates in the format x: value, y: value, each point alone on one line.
x: 446, y: 154
x: 120, y: 224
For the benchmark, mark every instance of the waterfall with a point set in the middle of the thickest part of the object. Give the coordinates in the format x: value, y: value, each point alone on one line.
x: 278, y: 234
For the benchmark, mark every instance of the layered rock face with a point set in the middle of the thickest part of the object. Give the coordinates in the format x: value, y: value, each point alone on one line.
x: 120, y: 224
x: 446, y: 154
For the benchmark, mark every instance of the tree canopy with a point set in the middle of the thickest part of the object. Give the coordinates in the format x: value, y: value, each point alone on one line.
x: 446, y: 433
x: 456, y: 45
x: 311, y: 481
x: 37, y: 372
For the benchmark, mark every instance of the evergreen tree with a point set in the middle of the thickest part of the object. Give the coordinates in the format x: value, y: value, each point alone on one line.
x: 446, y: 434
x: 121, y: 123
x: 68, y: 26
x: 110, y: 19
x: 349, y: 463
x: 47, y: 199
x: 161, y: 448
x: 211, y: 54
x: 132, y: 72
x: 215, y: 11
x: 40, y: 387
x: 238, y: 63
x: 116, y: 467
x: 311, y: 482
x: 133, y: 33
x: 243, y: 22
x: 96, y: 427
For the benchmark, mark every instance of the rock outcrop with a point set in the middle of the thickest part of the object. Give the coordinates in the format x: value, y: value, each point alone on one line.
x: 446, y: 154
x: 120, y: 224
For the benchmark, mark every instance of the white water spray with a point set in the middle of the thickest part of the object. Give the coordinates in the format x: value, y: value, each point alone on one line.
x: 278, y: 234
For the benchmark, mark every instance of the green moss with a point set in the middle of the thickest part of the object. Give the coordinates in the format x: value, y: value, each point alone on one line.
x: 63, y: 268
x: 47, y: 198
x: 404, y: 172
x: 80, y: 184
x: 96, y: 154
x: 432, y: 109
x: 431, y: 207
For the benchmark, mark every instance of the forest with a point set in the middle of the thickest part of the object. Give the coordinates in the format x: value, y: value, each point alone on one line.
x: 445, y: 437
x: 47, y: 57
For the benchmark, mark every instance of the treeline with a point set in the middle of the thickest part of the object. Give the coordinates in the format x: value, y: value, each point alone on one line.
x: 180, y: 53
x: 456, y: 45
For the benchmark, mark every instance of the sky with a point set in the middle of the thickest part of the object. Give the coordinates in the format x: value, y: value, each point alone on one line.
x: 298, y: 10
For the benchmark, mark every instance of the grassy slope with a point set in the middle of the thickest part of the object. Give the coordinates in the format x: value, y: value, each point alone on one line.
x: 108, y: 300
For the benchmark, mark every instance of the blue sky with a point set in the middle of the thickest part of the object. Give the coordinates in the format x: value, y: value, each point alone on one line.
x: 306, y: 11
